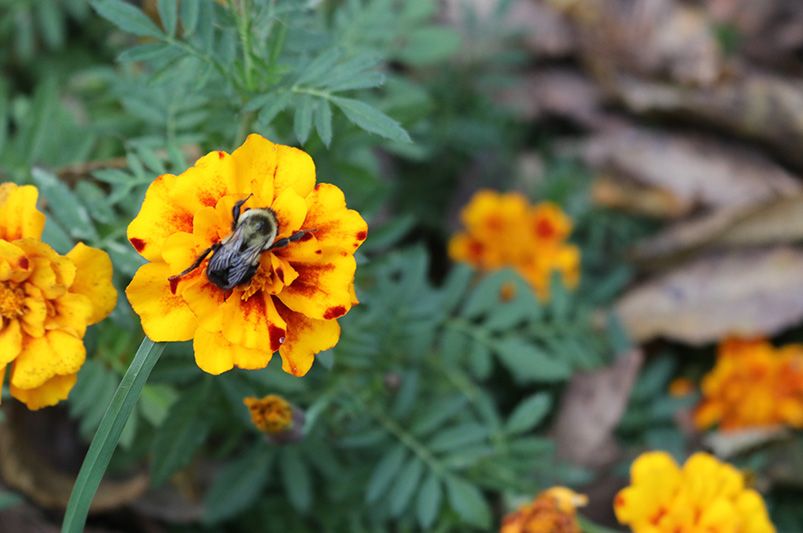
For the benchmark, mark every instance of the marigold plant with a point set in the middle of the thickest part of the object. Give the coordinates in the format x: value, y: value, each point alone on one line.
x: 505, y: 230
x: 291, y: 302
x: 753, y: 384
x: 704, y: 495
x: 46, y: 302
x: 552, y: 511
x: 271, y: 414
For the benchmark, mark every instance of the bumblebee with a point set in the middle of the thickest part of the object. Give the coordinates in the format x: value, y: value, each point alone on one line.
x: 235, y: 259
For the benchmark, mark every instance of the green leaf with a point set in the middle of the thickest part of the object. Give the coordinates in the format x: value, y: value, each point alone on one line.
x: 371, y: 119
x: 429, y: 501
x: 105, y: 440
x: 528, y: 413
x: 384, y: 473
x: 238, y: 484
x: 526, y: 362
x: 181, y: 434
x: 428, y: 45
x: 276, y: 105
x: 320, y: 66
x: 323, y: 121
x: 188, y: 11
x: 168, y: 15
x: 295, y: 478
x: 480, y: 360
x: 302, y: 119
x: 65, y: 207
x: 437, y: 414
x: 468, y: 503
x: 51, y: 20
x: 126, y: 17
x: 456, y: 437
x: 405, y: 486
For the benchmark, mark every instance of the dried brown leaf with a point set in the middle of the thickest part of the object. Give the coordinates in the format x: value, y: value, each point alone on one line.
x: 590, y: 410
x: 756, y: 292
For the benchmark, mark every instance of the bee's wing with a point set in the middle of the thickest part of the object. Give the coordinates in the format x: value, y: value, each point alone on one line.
x: 234, y: 259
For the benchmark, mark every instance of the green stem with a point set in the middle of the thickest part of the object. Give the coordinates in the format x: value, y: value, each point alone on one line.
x: 108, y: 434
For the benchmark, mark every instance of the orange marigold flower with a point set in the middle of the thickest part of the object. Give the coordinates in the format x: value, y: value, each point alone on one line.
x: 271, y: 414
x: 552, y: 511
x: 705, y: 495
x: 753, y: 384
x: 46, y: 302
x: 504, y: 230
x: 299, y: 286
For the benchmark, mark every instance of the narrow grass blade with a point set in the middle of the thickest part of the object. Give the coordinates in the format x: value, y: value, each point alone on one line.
x: 108, y: 434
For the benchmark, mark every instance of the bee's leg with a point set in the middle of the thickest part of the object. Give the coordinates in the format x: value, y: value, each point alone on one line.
x: 281, y: 243
x: 197, y: 262
x: 235, y: 211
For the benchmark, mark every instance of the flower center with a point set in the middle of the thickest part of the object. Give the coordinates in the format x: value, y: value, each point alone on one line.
x: 12, y: 300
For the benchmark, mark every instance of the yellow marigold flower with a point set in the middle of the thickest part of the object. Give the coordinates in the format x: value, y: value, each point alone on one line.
x: 46, y: 302
x: 271, y: 414
x: 504, y: 230
x: 291, y: 301
x: 552, y: 511
x: 753, y: 384
x: 705, y: 495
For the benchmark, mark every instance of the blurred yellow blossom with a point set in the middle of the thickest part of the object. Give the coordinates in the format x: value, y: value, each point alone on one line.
x: 705, y: 495
x: 753, y: 384
x: 552, y: 511
x: 505, y: 230
x: 46, y: 302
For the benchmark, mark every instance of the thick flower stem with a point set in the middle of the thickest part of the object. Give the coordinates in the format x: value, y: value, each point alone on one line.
x: 108, y: 434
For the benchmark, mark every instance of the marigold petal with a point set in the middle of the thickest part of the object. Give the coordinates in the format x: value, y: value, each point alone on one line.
x: 48, y: 394
x: 21, y: 218
x: 203, y: 184
x: 294, y: 169
x: 55, y: 353
x: 206, y: 300
x: 158, y: 218
x: 213, y: 353
x: 93, y: 279
x: 337, y: 228
x: 10, y: 341
x: 33, y: 321
x: 305, y: 338
x: 165, y: 316
x: 322, y: 291
x: 254, y: 324
x: 180, y: 250
x: 72, y: 314
x: 291, y: 210
x: 254, y: 167
x: 14, y: 263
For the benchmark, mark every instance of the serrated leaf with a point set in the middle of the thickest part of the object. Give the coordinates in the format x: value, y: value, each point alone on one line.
x: 455, y: 437
x: 168, y: 14
x: 274, y: 107
x: 319, y: 66
x: 405, y: 485
x: 150, y: 52
x: 64, y: 205
x: 323, y: 121
x: 126, y: 17
x: 367, y: 80
x: 302, y: 119
x: 528, y: 413
x: 188, y: 12
x: 468, y: 503
x: 384, y: 473
x: 371, y: 119
x: 238, y: 484
x: 182, y: 432
x: 527, y: 362
x: 295, y: 478
x: 437, y: 414
x: 429, y: 501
